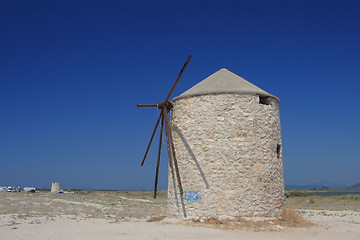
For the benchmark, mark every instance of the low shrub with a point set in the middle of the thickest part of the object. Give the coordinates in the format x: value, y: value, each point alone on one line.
x: 291, y: 218
x: 295, y: 193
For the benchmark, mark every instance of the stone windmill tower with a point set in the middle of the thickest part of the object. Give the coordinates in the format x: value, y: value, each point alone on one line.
x: 227, y: 142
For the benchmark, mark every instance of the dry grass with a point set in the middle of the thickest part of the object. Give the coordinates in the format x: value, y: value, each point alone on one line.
x: 112, y: 205
x: 155, y: 219
x: 129, y: 205
x: 212, y: 221
x: 323, y: 203
x: 292, y: 218
x: 288, y: 218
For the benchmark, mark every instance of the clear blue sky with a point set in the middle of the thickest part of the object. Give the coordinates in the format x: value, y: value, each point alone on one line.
x: 71, y: 73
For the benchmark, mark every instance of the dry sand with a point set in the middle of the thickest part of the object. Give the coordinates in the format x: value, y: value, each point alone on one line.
x: 120, y: 216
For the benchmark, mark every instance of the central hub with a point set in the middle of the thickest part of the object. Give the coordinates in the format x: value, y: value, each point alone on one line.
x: 168, y: 105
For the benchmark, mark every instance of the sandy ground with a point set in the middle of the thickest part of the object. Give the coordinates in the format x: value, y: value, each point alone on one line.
x: 334, y: 225
x: 24, y: 225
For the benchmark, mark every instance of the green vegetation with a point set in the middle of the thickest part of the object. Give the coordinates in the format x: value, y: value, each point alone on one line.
x: 323, y: 199
x: 349, y: 196
x: 73, y: 190
x: 297, y: 193
x: 322, y: 192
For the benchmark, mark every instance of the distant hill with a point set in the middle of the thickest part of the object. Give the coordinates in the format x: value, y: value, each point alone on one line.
x: 354, y: 186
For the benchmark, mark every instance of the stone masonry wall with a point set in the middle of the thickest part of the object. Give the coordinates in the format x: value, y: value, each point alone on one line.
x: 229, y: 152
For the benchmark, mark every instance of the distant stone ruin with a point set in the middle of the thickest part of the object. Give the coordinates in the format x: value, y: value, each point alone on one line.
x: 55, y: 187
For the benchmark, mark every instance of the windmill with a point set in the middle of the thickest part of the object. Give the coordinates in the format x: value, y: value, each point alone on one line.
x: 165, y: 108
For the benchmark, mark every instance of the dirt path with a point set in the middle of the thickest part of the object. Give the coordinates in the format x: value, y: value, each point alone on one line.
x: 330, y: 225
x: 122, y: 215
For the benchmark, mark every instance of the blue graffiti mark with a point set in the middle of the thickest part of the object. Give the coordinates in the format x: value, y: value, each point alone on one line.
x: 192, y: 197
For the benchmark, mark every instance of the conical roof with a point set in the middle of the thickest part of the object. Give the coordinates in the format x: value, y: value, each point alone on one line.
x: 224, y: 81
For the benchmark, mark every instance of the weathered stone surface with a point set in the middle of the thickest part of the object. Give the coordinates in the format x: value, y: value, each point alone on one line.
x: 224, y: 218
x: 228, y: 148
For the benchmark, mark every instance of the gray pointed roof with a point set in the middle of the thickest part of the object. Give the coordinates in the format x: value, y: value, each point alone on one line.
x: 224, y: 81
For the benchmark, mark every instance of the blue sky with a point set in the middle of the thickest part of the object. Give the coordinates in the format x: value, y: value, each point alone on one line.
x: 71, y: 73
